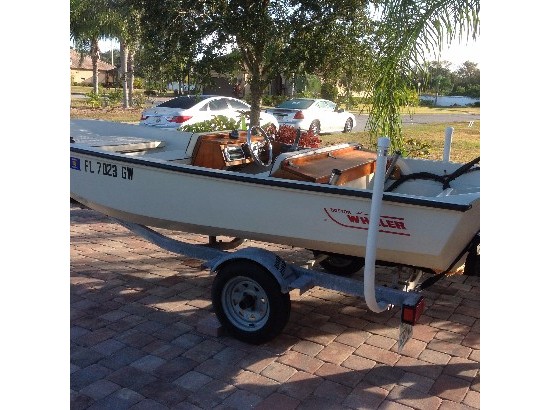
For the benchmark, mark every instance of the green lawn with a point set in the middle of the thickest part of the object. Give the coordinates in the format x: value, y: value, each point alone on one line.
x: 465, y: 146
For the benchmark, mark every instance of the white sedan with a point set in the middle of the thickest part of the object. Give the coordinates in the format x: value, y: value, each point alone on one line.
x: 191, y: 109
x: 321, y: 116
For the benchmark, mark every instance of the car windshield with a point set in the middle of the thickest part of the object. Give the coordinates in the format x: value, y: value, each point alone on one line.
x: 298, y: 104
x: 183, y: 102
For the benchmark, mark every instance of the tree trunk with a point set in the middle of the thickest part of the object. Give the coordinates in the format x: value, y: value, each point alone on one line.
x: 255, y: 99
x: 130, y: 81
x: 94, y: 54
x: 123, y: 73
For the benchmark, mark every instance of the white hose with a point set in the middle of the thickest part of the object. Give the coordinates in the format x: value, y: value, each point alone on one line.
x: 369, y: 273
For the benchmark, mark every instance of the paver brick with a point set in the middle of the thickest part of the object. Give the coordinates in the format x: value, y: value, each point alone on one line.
x: 451, y: 405
x: 414, y: 398
x: 164, y: 392
x: 131, y: 378
x: 277, y: 401
x: 211, y: 394
x: 88, y: 375
x: 366, y: 396
x: 255, y: 383
x: 239, y: 399
x: 332, y: 391
x: 100, y: 389
x: 174, y: 368
x: 278, y: 372
x: 339, y: 374
x: 472, y: 399
x: 121, y: 399
x: 301, y: 361
x: 450, y: 388
x: 452, y: 349
x: 335, y: 353
x: 377, y: 354
x: 192, y: 380
x: 462, y: 368
x: 308, y: 348
x: 355, y: 362
x: 352, y: 337
x: 136, y: 339
x: 300, y: 385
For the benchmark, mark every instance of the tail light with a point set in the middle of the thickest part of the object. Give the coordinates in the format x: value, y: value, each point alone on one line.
x: 180, y: 118
x: 143, y: 117
x: 411, y: 313
x: 299, y: 115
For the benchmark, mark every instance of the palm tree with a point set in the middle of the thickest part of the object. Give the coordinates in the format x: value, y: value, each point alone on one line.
x: 406, y: 31
x: 89, y: 22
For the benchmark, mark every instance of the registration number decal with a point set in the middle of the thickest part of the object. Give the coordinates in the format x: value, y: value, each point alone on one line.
x: 103, y: 168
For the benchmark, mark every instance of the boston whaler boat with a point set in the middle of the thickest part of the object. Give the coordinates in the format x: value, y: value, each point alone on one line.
x: 242, y: 184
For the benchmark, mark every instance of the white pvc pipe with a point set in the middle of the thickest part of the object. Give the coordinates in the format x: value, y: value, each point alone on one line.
x: 447, y: 148
x: 369, y: 273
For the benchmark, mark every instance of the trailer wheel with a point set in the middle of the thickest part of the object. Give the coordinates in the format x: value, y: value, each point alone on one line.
x: 249, y: 303
x: 472, y: 266
x: 341, y: 264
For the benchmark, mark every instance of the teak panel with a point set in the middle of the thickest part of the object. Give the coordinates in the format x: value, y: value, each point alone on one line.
x: 208, y: 151
x: 352, y: 163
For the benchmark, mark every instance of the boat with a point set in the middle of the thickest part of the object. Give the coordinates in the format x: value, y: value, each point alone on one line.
x: 247, y: 186
x: 317, y: 198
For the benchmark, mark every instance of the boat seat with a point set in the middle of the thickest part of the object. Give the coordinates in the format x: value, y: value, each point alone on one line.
x: 350, y: 162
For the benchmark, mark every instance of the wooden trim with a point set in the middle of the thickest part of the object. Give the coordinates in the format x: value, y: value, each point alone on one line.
x: 350, y: 161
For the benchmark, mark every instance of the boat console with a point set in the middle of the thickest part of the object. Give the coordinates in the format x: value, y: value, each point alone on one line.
x: 222, y: 150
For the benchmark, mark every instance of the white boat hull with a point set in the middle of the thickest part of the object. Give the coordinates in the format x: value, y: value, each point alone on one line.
x: 419, y: 231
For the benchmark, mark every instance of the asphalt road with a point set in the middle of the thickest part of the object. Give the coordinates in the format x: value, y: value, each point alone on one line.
x: 408, y: 120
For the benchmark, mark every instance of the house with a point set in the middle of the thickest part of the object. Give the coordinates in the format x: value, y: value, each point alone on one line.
x: 82, y: 71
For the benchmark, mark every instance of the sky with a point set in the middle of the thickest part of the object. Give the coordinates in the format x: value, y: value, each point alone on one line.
x: 457, y: 53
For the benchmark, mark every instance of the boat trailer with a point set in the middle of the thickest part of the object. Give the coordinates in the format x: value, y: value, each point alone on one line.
x: 250, y: 292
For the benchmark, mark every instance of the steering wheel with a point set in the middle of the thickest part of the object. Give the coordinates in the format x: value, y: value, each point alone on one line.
x: 257, y: 147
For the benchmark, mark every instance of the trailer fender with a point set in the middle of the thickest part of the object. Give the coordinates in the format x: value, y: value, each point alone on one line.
x: 274, y: 264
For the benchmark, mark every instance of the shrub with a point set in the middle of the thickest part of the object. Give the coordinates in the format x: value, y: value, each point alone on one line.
x: 114, y: 98
x: 218, y: 123
x: 93, y: 99
x: 138, y: 82
x: 139, y: 100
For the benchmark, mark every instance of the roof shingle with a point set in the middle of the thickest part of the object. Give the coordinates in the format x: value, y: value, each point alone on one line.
x: 86, y: 64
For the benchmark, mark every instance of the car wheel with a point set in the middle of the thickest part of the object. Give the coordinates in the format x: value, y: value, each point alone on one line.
x: 315, y: 127
x: 348, y: 125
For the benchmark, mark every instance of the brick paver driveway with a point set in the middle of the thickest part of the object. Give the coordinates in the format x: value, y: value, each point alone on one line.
x: 139, y: 340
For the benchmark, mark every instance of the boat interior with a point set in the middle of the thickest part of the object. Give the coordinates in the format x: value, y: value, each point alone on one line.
x: 345, y: 165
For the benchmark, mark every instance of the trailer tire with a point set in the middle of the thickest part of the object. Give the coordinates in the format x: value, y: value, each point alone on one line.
x: 472, y: 266
x: 341, y: 264
x: 249, y: 303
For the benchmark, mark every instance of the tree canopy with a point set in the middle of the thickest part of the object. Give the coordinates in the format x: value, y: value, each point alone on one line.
x: 374, y: 45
